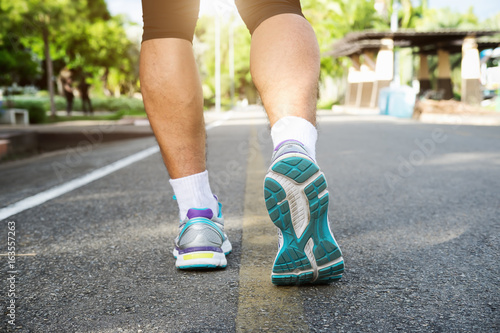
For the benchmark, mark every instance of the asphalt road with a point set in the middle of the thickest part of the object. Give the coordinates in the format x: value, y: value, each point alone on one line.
x: 415, y: 208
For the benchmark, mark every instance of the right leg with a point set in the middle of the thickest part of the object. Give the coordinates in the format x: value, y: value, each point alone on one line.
x: 173, y: 99
x: 89, y: 104
x: 285, y: 63
x: 69, y: 104
x: 84, y: 105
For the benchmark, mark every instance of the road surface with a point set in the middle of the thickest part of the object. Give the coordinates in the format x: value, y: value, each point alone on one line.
x: 415, y: 208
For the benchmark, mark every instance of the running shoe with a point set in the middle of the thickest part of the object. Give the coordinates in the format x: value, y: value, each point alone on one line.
x: 202, y: 243
x: 297, y: 201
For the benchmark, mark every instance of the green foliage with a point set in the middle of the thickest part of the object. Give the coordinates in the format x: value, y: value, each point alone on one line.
x: 84, y: 37
x: 124, y: 104
x: 447, y: 18
x: 117, y: 115
x: 114, y: 116
x: 98, y: 10
x: 17, y: 64
x: 10, y: 14
x: 81, y: 35
x: 333, y: 19
x: 117, y: 103
x: 205, y: 57
x: 492, y: 23
x: 326, y: 105
x: 42, y: 101
x: 36, y: 110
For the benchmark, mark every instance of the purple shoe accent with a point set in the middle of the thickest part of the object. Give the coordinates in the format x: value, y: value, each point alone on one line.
x: 282, y: 142
x: 296, y: 142
x: 206, y: 213
x: 200, y: 248
x: 219, y: 207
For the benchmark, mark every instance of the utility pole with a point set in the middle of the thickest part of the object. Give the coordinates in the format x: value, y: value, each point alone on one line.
x: 394, y: 27
x: 217, y: 63
x: 231, y: 57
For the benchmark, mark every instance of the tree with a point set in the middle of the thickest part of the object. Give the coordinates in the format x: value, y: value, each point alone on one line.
x: 78, y: 34
x: 446, y: 18
x: 333, y: 19
x: 492, y: 23
x: 38, y: 23
x: 205, y: 57
x: 19, y: 65
x: 98, y: 46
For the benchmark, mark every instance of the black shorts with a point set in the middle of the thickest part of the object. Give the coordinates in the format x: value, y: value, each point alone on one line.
x: 177, y: 18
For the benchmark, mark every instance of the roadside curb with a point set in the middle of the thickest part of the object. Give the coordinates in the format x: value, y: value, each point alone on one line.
x: 20, y: 142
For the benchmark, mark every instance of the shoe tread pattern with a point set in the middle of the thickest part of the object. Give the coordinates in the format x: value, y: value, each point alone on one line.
x: 297, y: 168
x: 291, y: 257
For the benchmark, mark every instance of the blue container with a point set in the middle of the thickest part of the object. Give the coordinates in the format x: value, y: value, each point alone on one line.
x: 498, y: 100
x: 383, y: 100
x: 397, y: 101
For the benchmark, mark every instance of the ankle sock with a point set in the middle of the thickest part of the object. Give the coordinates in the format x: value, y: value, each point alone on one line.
x: 194, y: 192
x: 295, y: 128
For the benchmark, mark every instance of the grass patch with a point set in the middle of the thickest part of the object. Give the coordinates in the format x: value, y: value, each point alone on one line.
x: 117, y: 103
x: 36, y: 112
x: 115, y: 116
x: 96, y: 117
x: 326, y: 104
x: 37, y: 105
x: 98, y: 103
x: 137, y: 112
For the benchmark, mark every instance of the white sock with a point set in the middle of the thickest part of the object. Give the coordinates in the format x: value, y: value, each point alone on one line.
x: 295, y: 128
x: 194, y: 192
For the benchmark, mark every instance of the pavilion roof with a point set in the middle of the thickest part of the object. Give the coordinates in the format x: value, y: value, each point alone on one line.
x: 427, y: 41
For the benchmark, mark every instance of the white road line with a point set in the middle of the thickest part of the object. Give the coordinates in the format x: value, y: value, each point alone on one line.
x: 219, y: 122
x: 59, y: 190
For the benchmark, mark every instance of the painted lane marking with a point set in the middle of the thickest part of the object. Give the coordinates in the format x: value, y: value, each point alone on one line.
x: 59, y: 190
x: 220, y: 121
x: 261, y: 305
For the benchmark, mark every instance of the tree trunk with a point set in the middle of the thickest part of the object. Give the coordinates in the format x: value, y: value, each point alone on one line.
x: 50, y: 74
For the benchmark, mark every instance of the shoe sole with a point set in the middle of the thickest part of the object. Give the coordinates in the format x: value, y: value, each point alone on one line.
x: 203, y: 259
x: 297, y: 202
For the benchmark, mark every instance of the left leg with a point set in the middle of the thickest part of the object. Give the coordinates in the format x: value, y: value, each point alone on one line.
x: 173, y: 100
x: 69, y: 104
x: 89, y: 104
x: 84, y: 105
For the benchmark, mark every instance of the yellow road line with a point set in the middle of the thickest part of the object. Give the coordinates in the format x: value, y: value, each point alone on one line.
x: 261, y: 305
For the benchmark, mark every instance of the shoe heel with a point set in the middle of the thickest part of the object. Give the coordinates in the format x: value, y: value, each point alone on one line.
x: 201, y: 260
x: 331, y: 273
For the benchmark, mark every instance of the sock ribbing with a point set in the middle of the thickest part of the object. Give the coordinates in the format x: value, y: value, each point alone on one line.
x: 295, y: 128
x: 194, y: 192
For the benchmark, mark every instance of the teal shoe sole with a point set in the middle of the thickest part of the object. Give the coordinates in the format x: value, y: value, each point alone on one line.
x: 292, y: 265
